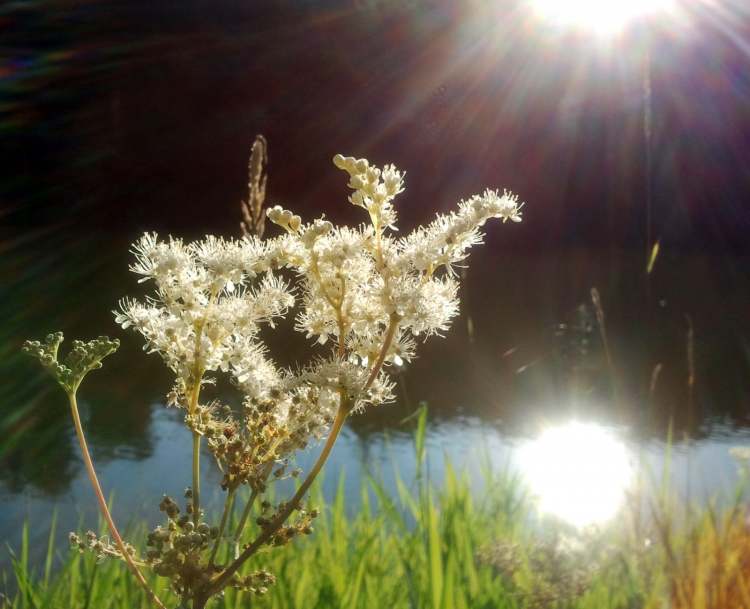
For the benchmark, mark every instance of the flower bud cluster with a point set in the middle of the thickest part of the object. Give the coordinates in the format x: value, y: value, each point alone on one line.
x: 311, y: 233
x: 256, y: 582
x: 301, y: 526
x: 284, y: 218
x: 175, y: 550
x: 82, y: 358
x: 99, y: 546
x: 260, y: 443
x: 244, y: 452
x: 374, y: 189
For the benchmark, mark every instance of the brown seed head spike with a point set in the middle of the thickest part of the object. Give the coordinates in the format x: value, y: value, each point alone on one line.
x: 253, y: 218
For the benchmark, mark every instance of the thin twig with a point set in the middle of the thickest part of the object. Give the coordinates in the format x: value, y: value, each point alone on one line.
x: 601, y: 322
x: 228, y: 505
x: 389, y: 334
x: 248, y: 508
x: 103, y: 503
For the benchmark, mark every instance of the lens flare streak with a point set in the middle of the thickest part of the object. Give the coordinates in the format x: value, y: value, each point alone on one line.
x: 594, y: 15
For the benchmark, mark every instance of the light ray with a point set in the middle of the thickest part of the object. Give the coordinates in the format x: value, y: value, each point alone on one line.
x: 602, y: 17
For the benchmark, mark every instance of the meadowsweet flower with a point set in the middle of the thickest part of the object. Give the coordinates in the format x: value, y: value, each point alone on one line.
x: 509, y: 207
x: 363, y: 294
x: 206, y: 302
x: 363, y: 297
x: 446, y: 241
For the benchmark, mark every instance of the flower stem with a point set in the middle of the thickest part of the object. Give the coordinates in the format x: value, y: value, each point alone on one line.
x: 198, y: 373
x: 196, y: 477
x: 103, y: 503
x: 248, y: 508
x: 228, y: 505
x: 243, y: 519
x: 196, y: 499
x: 389, y: 334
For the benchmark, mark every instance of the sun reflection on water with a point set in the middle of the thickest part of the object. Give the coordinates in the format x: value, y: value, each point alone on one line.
x: 579, y: 472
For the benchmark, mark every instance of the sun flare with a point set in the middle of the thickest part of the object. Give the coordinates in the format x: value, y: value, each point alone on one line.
x: 606, y: 17
x: 579, y: 472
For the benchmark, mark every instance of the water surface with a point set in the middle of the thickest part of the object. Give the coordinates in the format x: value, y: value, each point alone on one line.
x: 526, y: 356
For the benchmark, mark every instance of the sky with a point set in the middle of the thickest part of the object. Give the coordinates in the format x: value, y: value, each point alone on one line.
x: 127, y: 116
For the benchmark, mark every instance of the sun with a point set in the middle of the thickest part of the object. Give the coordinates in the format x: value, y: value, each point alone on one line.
x: 600, y: 16
x: 579, y: 472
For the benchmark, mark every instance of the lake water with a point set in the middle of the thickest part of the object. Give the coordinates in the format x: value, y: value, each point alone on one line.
x: 525, y: 358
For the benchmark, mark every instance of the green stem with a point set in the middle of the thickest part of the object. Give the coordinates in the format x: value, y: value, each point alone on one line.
x: 389, y: 334
x: 245, y: 515
x: 228, y: 505
x: 196, y: 477
x: 196, y: 499
x: 103, y: 503
x: 198, y: 372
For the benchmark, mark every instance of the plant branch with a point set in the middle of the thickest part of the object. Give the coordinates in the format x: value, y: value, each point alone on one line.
x: 198, y: 373
x: 248, y: 508
x: 289, y: 507
x: 228, y: 505
x: 103, y: 503
x: 389, y: 334
x: 243, y: 519
x: 196, y: 499
x: 268, y: 532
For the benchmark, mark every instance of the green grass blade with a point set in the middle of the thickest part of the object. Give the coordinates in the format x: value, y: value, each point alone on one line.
x: 435, y: 556
x: 50, y: 550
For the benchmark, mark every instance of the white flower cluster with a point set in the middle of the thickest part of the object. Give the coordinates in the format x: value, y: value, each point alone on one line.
x: 204, y: 316
x: 362, y: 291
